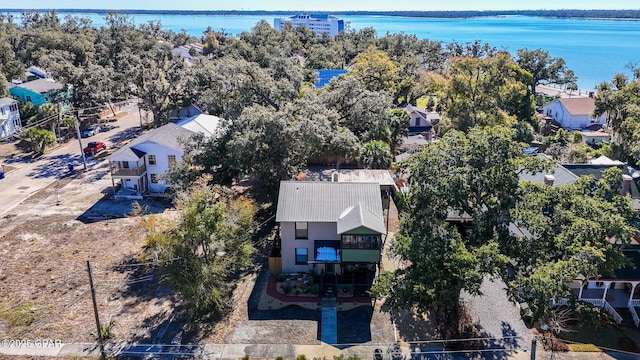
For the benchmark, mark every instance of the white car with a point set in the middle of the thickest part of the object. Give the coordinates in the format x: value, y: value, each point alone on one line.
x: 90, y: 131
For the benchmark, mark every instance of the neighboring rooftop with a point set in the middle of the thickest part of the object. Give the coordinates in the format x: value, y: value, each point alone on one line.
x: 39, y: 72
x: 603, y: 160
x: 204, y: 124
x: 40, y: 86
x: 579, y: 106
x: 5, y: 101
x: 325, y: 76
x: 561, y: 176
x: 167, y: 135
x: 185, y: 112
x: 320, y: 201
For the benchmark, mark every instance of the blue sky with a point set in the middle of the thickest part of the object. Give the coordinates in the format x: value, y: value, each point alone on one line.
x: 326, y: 5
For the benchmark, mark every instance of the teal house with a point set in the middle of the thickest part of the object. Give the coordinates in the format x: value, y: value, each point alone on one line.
x: 37, y: 92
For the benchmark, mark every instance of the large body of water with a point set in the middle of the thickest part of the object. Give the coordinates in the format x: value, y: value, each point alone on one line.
x: 594, y: 49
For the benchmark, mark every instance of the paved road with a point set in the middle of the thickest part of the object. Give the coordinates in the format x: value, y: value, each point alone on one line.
x: 32, y: 175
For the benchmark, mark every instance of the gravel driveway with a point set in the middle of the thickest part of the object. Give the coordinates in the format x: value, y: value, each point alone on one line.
x: 498, y: 317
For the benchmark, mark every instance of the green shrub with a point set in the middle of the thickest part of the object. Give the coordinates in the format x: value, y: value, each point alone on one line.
x: 314, y: 289
x: 301, y: 357
x: 286, y: 288
x: 279, y: 358
x: 107, y: 331
x: 246, y: 357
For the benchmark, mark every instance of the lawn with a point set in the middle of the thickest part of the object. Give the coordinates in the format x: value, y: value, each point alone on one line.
x: 606, y: 336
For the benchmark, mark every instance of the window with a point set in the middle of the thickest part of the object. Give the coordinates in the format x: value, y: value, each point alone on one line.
x: 302, y: 230
x: 154, y: 178
x: 172, y: 159
x: 301, y: 256
x: 125, y: 164
x: 152, y: 159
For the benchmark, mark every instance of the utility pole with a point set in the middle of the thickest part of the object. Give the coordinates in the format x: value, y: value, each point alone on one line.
x: 140, y: 114
x: 95, y: 312
x: 84, y: 161
x: 533, y: 347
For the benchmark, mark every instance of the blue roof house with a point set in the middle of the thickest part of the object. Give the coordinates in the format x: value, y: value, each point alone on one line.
x: 325, y: 75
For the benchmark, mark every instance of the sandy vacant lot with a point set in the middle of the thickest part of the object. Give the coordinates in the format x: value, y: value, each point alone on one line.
x: 44, y: 245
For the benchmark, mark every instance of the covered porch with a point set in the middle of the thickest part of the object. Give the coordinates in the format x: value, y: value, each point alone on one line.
x: 612, y: 296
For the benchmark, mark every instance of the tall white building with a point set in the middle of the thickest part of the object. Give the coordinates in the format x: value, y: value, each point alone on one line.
x: 318, y: 23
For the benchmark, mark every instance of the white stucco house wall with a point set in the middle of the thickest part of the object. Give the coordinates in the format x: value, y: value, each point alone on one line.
x: 573, y: 113
x: 10, y: 122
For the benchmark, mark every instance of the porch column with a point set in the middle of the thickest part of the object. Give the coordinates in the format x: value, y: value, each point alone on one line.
x: 606, y: 287
x: 633, y: 289
x: 581, y: 288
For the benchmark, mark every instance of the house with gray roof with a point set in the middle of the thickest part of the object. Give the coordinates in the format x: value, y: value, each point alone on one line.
x: 330, y: 228
x: 139, y: 165
x: 37, y: 92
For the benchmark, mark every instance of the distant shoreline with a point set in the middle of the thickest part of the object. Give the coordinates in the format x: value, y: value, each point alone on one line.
x: 562, y: 14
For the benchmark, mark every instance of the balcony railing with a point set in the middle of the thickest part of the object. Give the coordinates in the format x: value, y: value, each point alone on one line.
x: 634, y: 314
x: 118, y: 171
x: 608, y: 308
x: 594, y: 302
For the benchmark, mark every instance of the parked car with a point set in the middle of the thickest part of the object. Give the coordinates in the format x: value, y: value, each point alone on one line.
x: 94, y: 147
x: 90, y: 131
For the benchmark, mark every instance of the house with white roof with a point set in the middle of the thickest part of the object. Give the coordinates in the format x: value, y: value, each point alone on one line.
x: 139, y: 166
x: 573, y: 113
x: 330, y: 228
x: 204, y: 124
x: 10, y: 122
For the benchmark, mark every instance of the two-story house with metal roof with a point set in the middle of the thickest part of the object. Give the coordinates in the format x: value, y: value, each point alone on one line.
x: 330, y: 228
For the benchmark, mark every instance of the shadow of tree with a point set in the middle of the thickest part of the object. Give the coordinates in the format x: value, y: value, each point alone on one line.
x: 107, y: 208
x: 125, y: 134
x: 55, y: 166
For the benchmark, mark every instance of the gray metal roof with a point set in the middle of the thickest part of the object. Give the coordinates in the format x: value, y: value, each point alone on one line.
x: 320, y: 201
x: 41, y: 86
x: 5, y: 101
x: 356, y: 217
x: 167, y: 135
x: 561, y: 174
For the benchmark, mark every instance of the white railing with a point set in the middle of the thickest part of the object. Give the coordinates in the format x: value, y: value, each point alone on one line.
x: 595, y: 302
x: 635, y: 302
x: 560, y: 302
x: 608, y: 308
x: 634, y: 314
